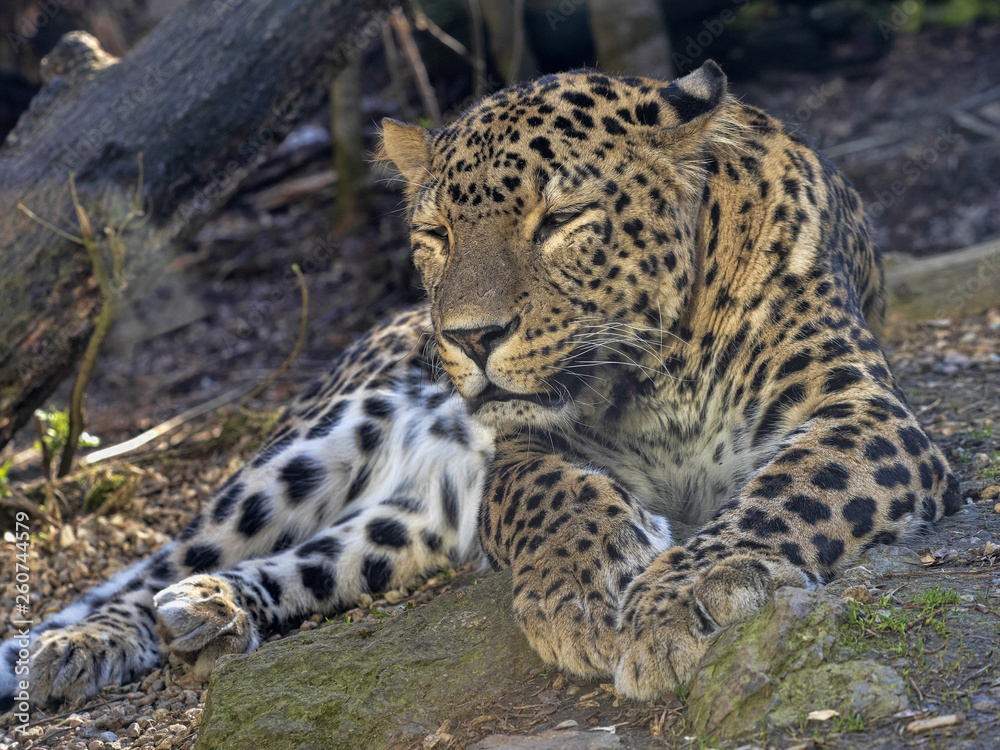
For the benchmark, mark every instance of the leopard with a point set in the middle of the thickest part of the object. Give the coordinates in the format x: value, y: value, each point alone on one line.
x: 647, y: 379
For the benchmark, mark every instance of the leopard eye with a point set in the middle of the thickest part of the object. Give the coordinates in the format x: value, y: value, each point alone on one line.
x: 553, y: 221
x: 439, y: 232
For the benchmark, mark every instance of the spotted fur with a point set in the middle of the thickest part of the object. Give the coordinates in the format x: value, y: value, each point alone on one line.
x: 658, y: 310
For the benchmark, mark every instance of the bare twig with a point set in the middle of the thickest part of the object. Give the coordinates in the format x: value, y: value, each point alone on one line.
x: 103, y: 320
x: 49, y: 225
x: 943, y: 572
x: 396, y: 73
x: 162, y: 429
x: 863, y: 144
x: 402, y: 28
x: 44, y: 447
x: 423, y: 22
x: 973, y: 123
x: 57, y: 717
x: 20, y: 502
x: 478, y: 48
x: 102, y: 324
x: 115, y: 235
x: 517, y: 49
x: 978, y: 100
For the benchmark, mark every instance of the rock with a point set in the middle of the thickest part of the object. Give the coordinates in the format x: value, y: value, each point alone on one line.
x: 395, y: 682
x: 879, y: 562
x: 373, y: 683
x: 788, y: 661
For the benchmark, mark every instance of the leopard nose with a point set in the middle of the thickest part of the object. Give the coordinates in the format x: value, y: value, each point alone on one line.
x: 478, y: 343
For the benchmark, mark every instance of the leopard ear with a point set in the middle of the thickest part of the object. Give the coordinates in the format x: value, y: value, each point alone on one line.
x: 697, y: 94
x: 408, y: 147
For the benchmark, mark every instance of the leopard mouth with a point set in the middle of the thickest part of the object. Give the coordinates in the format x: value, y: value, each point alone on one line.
x: 563, y: 388
x: 495, y: 394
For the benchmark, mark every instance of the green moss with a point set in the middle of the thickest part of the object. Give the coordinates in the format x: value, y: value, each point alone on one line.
x: 102, y: 490
x: 372, y: 684
x: 789, y: 660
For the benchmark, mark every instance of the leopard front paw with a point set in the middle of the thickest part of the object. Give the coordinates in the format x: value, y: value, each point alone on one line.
x: 199, y: 620
x: 567, y: 623
x: 672, y: 614
x: 76, y: 661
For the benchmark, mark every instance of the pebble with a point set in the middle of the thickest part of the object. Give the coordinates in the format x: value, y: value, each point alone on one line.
x: 133, y: 730
x: 393, y: 597
x: 365, y: 601
x: 67, y: 537
x: 858, y: 593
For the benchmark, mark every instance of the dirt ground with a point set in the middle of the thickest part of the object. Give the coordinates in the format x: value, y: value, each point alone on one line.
x: 230, y: 319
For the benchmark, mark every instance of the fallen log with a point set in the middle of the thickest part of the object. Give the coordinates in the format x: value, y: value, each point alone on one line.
x: 201, y: 101
x: 950, y: 285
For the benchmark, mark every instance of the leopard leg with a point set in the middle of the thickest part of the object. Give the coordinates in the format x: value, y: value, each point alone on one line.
x: 387, y: 542
x: 830, y: 492
x: 574, y: 538
x: 380, y: 430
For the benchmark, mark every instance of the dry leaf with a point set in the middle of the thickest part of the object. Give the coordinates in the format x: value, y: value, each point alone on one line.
x: 568, y: 724
x: 925, y: 725
x: 825, y: 715
x: 992, y: 492
x: 989, y: 549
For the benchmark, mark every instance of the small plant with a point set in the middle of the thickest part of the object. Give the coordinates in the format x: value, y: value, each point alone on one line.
x: 53, y: 429
x: 985, y: 432
x: 682, y: 691
x: 4, y: 484
x: 850, y: 723
x: 880, y: 617
x: 937, y: 598
x: 993, y: 470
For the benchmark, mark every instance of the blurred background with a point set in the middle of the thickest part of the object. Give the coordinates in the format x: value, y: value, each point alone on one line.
x: 903, y: 96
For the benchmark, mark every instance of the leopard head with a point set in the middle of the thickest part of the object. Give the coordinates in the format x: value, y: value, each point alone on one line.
x: 554, y: 227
